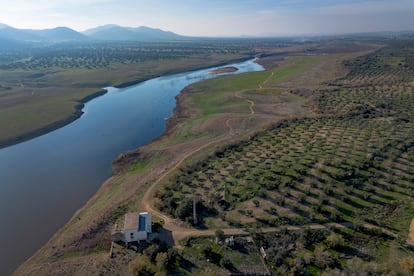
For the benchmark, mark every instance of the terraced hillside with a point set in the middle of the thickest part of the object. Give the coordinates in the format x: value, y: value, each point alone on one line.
x: 350, y: 169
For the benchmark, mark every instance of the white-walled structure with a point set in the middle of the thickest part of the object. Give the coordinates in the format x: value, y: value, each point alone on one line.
x: 136, y: 228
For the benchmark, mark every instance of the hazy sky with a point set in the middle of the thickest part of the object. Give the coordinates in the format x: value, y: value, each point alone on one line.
x: 215, y: 17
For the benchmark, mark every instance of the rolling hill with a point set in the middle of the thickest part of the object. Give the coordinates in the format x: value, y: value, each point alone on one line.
x: 115, y: 32
x: 106, y: 32
x: 58, y: 34
x: 9, y: 33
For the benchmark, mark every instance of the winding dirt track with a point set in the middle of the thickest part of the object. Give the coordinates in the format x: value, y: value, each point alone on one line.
x: 175, y: 226
x: 146, y: 200
x: 251, y: 106
x: 179, y: 231
x: 266, y: 80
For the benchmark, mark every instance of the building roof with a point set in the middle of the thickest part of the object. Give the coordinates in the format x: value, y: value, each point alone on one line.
x: 131, y: 221
x: 142, y: 223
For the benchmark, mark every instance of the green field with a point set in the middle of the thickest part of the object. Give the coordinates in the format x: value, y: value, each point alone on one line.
x: 352, y: 165
x: 44, y: 88
x: 310, y: 161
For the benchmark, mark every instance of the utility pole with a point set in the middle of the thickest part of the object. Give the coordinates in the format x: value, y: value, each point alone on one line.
x: 195, y: 209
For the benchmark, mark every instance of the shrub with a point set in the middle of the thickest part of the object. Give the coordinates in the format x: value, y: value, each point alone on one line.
x: 226, y: 263
x: 162, y: 260
x: 184, y: 209
x: 151, y: 251
x: 407, y: 264
x: 220, y: 235
x: 322, y: 257
x: 334, y: 240
x: 141, y: 266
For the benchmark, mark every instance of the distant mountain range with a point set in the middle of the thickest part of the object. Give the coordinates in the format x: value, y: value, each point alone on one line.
x: 115, y: 32
x: 11, y: 35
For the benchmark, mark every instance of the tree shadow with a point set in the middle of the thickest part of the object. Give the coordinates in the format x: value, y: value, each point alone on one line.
x: 164, y: 235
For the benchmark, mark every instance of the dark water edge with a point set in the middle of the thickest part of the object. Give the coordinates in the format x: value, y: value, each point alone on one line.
x: 53, y: 126
x: 54, y: 176
x: 81, y: 104
x: 175, y: 72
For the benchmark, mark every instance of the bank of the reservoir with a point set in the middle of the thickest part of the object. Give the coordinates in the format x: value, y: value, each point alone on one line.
x: 228, y: 69
x: 65, y: 167
x: 78, y: 107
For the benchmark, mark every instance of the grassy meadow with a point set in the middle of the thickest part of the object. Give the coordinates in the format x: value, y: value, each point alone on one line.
x: 41, y: 92
x: 351, y: 168
x: 311, y: 160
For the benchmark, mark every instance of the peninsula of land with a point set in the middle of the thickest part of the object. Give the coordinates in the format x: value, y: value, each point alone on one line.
x: 293, y: 168
x: 228, y: 69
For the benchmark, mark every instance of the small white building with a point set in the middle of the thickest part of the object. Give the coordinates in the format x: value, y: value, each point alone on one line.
x: 137, y: 227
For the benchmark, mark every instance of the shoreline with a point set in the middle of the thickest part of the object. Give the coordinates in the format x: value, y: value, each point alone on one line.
x: 228, y: 69
x: 173, y: 71
x: 179, y: 113
x: 51, y: 255
x: 81, y: 104
x: 53, y: 126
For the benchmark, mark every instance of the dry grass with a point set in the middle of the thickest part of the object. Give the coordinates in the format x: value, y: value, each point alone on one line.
x: 195, y: 126
x: 30, y: 106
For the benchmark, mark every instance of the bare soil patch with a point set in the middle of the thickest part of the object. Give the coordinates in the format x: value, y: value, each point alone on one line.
x: 149, y: 167
x: 222, y: 70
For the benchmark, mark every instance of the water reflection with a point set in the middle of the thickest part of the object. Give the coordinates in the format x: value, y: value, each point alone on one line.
x: 45, y: 180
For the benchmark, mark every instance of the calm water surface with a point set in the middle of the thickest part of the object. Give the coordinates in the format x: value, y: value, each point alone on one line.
x: 45, y: 180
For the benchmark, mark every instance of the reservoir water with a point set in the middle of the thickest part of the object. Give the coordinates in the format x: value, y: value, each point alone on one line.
x: 45, y: 180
